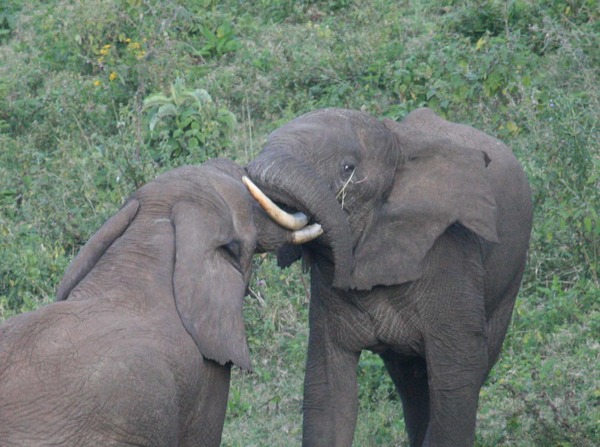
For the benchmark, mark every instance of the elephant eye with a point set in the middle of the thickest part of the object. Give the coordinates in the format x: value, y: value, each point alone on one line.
x: 233, y: 251
x: 349, y: 167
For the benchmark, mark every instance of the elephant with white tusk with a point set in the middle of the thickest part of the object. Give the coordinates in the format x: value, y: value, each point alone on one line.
x: 138, y: 348
x: 426, y: 228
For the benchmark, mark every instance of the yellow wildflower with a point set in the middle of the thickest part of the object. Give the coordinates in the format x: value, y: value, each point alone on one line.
x: 140, y: 54
x: 112, y: 76
x: 97, y: 83
x: 105, y: 49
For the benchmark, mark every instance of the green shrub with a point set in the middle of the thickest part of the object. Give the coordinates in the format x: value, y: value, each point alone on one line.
x: 187, y: 125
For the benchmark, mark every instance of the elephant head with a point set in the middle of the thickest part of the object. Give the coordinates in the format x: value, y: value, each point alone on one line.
x: 200, y: 227
x: 383, y: 191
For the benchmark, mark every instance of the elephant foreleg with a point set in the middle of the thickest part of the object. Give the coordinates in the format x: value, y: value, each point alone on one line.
x: 330, y: 391
x: 330, y: 401
x: 455, y: 374
x: 410, y: 378
x: 454, y: 338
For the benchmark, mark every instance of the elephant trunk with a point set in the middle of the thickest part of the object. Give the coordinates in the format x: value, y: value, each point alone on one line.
x: 290, y: 181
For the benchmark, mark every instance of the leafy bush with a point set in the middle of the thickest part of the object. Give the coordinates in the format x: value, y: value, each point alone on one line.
x: 187, y: 125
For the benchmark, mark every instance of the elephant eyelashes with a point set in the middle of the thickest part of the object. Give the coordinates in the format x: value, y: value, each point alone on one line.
x: 348, y: 171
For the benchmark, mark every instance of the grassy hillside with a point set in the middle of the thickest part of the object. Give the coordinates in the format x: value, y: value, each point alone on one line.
x: 99, y: 96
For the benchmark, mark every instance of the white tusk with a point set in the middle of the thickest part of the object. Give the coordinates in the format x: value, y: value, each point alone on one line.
x: 306, y: 234
x: 288, y: 221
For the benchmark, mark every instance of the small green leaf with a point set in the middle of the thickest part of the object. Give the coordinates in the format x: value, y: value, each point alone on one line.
x: 512, y: 127
x: 193, y: 143
x: 587, y: 224
x: 155, y: 101
x: 167, y: 110
x: 153, y: 122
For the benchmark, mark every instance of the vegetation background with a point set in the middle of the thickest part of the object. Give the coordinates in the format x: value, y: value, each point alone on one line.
x: 99, y: 96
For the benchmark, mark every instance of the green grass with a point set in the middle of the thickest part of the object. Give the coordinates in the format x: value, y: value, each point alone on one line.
x: 81, y: 127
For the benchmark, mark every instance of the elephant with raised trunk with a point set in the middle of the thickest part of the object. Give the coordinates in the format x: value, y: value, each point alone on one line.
x: 426, y: 229
x: 138, y: 349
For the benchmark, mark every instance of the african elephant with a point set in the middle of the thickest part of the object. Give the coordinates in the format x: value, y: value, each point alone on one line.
x: 138, y: 349
x: 427, y: 226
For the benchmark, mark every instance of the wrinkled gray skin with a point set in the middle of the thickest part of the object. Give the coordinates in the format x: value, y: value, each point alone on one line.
x: 434, y: 234
x: 138, y: 349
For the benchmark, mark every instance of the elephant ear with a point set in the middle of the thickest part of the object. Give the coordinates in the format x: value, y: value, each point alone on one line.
x: 208, y: 291
x: 95, y: 247
x: 439, y: 184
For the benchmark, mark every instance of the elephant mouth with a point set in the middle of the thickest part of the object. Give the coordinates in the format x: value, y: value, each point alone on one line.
x: 297, y: 222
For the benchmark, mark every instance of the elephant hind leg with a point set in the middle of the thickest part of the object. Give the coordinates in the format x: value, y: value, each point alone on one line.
x: 410, y: 379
